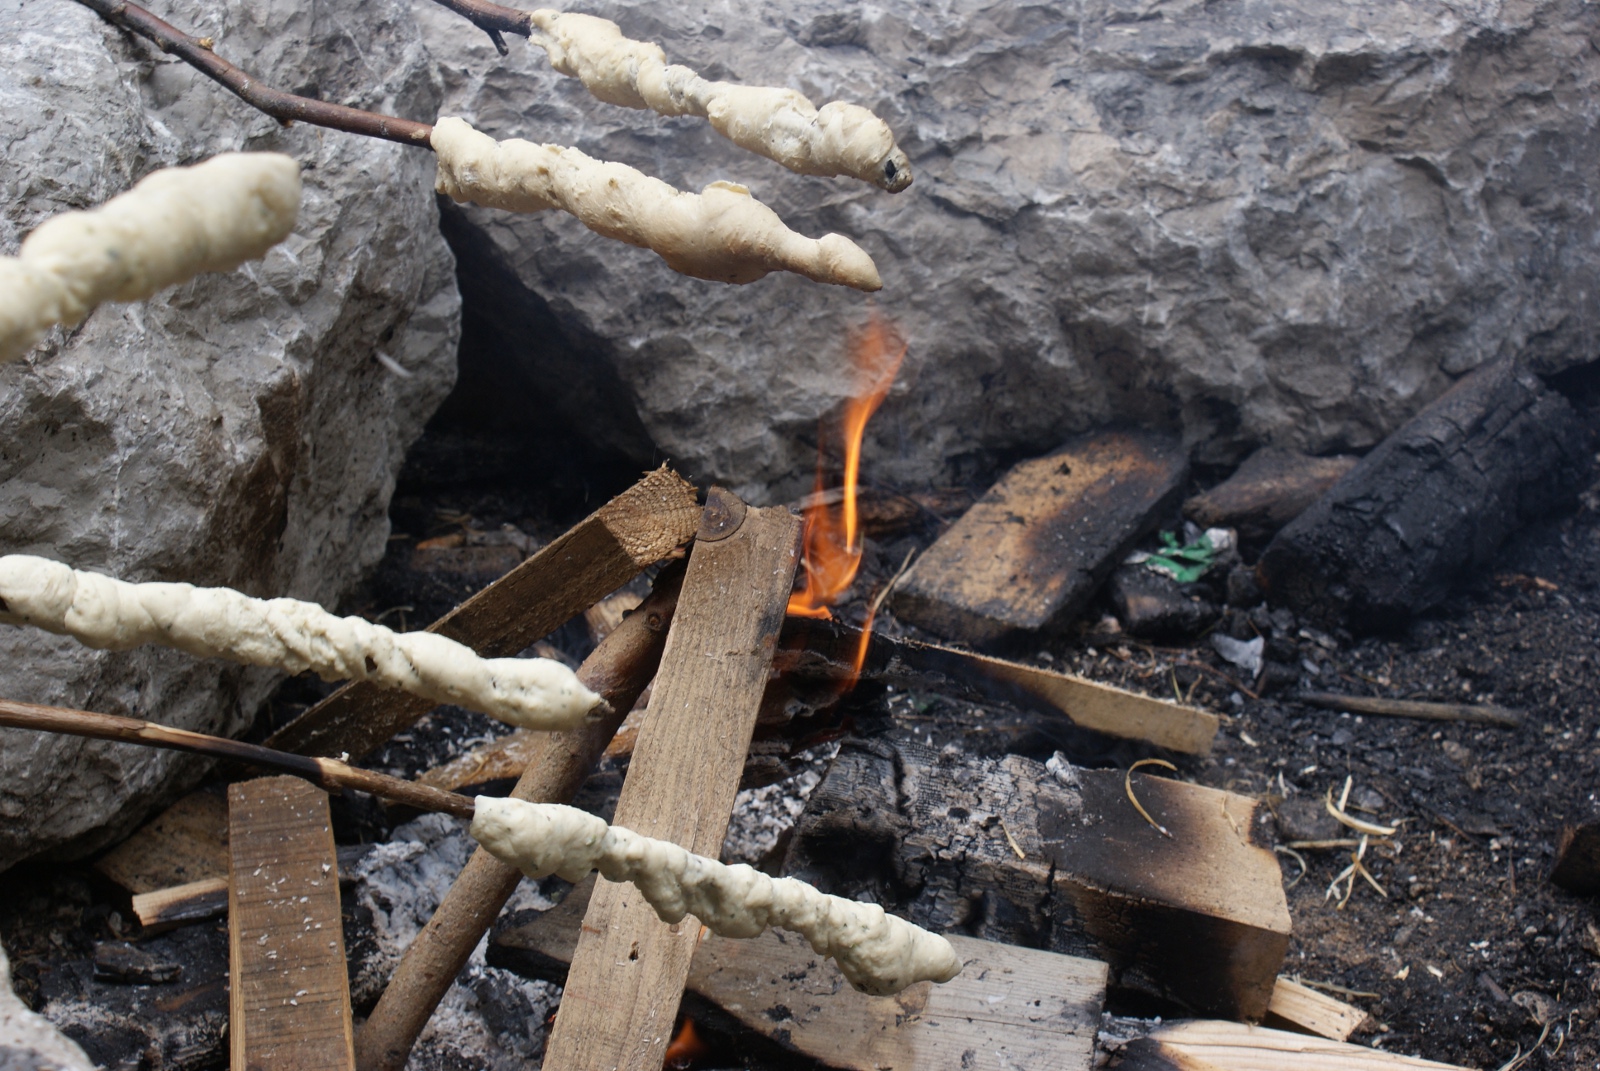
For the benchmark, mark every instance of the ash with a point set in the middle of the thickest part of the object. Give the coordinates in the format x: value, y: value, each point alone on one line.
x: 763, y: 816
x: 491, y: 1019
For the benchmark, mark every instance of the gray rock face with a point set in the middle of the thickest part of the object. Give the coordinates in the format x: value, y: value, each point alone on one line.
x: 1293, y: 222
x: 236, y: 430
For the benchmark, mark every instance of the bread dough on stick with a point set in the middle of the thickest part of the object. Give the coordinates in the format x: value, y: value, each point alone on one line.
x: 876, y: 952
x: 294, y: 636
x: 172, y: 226
x: 780, y: 124
x: 721, y: 233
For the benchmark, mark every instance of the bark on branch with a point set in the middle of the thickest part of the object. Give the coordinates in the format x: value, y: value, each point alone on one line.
x: 493, y: 19
x: 284, y: 107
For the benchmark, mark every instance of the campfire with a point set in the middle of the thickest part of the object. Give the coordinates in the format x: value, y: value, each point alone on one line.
x: 1123, y: 753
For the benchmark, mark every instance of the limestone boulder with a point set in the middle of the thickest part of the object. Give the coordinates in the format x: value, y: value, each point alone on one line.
x: 1291, y: 223
x: 243, y: 429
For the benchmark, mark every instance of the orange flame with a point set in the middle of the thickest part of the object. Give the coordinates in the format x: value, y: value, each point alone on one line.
x: 832, y: 537
x: 685, y: 1049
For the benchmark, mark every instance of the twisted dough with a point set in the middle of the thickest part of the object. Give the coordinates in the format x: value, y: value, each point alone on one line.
x: 721, y: 233
x: 172, y: 226
x: 534, y: 693
x: 877, y: 952
x: 780, y: 124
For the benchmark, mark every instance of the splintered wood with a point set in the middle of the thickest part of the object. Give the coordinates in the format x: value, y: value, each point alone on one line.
x: 1033, y: 550
x: 1008, y: 849
x: 629, y: 968
x: 638, y: 527
x: 1216, y: 1046
x: 1010, y: 1007
x: 289, y: 997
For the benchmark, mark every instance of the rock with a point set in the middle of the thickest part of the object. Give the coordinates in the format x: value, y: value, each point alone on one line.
x: 1431, y: 504
x: 1292, y: 223
x: 1269, y: 490
x: 27, y: 1041
x: 237, y: 430
x: 1154, y: 606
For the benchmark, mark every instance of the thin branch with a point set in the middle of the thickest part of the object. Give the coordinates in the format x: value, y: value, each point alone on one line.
x: 328, y: 773
x: 284, y: 107
x: 493, y: 19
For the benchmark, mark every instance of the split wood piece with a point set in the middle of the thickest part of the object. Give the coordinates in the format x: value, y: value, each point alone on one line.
x: 203, y: 899
x: 554, y: 767
x: 610, y: 547
x: 1483, y: 714
x: 289, y: 993
x: 329, y: 774
x: 1577, y: 868
x: 1309, y: 1011
x: 629, y: 968
x: 1203, y: 1045
x: 1058, y: 857
x: 1008, y: 1008
x: 1431, y: 503
x: 188, y: 842
x: 824, y: 649
x: 1271, y: 487
x: 1030, y: 554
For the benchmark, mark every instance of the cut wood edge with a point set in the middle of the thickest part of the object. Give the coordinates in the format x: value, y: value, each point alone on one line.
x: 1300, y: 1008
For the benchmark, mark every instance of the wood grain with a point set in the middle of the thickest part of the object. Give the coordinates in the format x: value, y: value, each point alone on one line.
x: 1032, y: 551
x: 289, y: 997
x: 1010, y: 1007
x: 185, y: 843
x: 1207, y: 1045
x: 606, y: 550
x: 1309, y: 1011
x: 629, y: 968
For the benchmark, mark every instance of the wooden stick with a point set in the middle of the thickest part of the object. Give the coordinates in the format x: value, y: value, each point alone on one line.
x: 284, y: 107
x: 619, y: 669
x: 289, y: 991
x: 1480, y: 713
x: 1299, y: 1007
x: 493, y: 19
x: 607, y: 549
x: 330, y: 774
x: 203, y: 899
x: 629, y: 969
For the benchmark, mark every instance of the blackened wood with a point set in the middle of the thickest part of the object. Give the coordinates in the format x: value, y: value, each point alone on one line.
x: 203, y: 899
x: 629, y: 968
x: 1032, y: 551
x: 1271, y: 488
x: 1431, y: 504
x: 289, y: 998
x: 1008, y: 1008
x: 1577, y: 868
x: 1008, y: 850
x: 606, y: 550
x: 555, y: 766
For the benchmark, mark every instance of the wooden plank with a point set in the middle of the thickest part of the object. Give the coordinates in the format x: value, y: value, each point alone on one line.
x: 1431, y: 503
x: 606, y: 550
x: 1205, y: 1045
x: 1030, y: 554
x: 1010, y: 1007
x: 1310, y: 1011
x: 1011, y: 850
x: 629, y: 967
x: 187, y: 842
x: 823, y: 650
x: 289, y: 994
